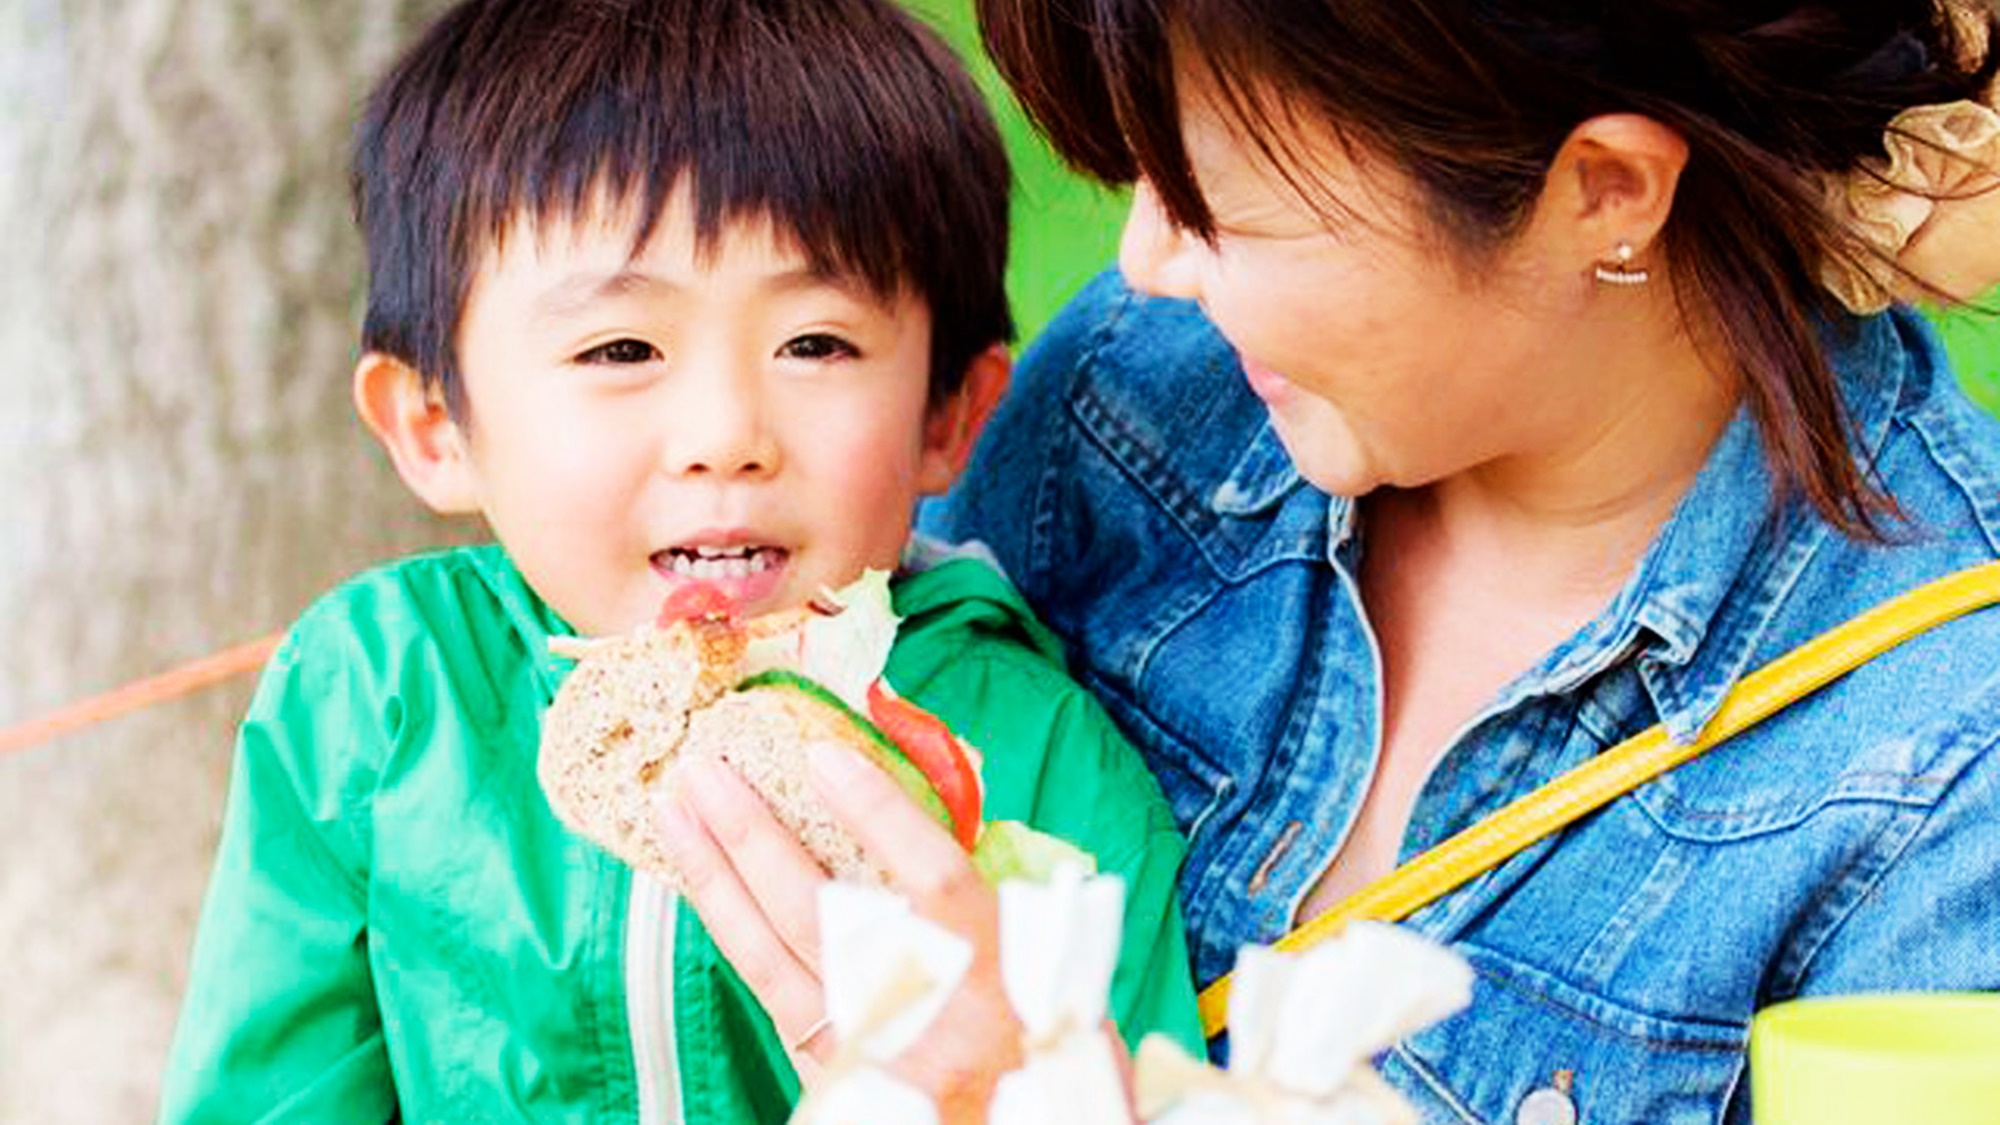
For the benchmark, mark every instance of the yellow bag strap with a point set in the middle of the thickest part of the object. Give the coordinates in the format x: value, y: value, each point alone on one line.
x: 1626, y: 766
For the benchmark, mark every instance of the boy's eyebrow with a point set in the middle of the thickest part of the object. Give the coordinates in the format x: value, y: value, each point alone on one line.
x: 580, y: 291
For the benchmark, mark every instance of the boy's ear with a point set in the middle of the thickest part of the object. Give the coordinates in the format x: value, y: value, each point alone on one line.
x: 953, y: 425
x: 412, y: 422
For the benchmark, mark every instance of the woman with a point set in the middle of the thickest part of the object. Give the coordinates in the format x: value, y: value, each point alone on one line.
x: 1491, y: 380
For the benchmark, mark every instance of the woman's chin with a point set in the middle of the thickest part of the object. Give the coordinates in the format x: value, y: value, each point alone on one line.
x: 1335, y: 467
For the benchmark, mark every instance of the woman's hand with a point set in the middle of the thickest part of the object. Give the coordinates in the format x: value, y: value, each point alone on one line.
x: 757, y: 890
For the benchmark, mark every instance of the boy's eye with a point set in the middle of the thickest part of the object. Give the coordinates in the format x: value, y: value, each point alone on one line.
x: 818, y: 346
x: 621, y: 352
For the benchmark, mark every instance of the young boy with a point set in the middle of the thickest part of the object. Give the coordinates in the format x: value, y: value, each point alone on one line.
x: 663, y: 289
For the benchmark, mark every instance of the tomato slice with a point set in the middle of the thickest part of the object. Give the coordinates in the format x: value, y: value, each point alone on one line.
x: 938, y: 754
x: 697, y: 601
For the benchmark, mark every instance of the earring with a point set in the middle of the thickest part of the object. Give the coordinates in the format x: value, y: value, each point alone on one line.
x: 1619, y: 271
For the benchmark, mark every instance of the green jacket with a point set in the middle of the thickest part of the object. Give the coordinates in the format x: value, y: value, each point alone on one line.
x: 397, y: 922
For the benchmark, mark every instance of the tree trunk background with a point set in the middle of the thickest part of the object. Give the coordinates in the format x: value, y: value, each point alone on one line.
x: 180, y: 470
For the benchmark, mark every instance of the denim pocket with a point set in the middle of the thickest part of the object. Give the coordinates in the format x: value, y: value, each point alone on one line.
x: 1529, y: 1032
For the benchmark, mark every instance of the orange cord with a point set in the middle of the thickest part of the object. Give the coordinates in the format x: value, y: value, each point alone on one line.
x: 173, y: 683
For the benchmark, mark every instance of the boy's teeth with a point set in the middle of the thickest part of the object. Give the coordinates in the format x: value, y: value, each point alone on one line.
x: 709, y: 563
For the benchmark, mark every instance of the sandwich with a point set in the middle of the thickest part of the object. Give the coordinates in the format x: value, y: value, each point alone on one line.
x: 703, y: 682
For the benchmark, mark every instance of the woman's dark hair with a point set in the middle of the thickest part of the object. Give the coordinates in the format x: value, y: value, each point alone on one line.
x: 1473, y: 98
x: 846, y: 123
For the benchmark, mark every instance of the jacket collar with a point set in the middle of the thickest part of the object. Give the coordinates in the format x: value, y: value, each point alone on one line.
x: 1701, y: 601
x: 533, y: 621
x: 1262, y: 477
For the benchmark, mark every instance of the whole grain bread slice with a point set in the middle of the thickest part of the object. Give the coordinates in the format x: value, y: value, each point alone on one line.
x: 635, y: 706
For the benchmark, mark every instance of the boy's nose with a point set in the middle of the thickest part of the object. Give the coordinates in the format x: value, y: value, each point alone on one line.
x: 720, y: 432
x: 1156, y: 256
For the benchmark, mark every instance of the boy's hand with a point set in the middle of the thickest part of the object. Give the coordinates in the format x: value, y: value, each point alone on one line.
x: 757, y: 892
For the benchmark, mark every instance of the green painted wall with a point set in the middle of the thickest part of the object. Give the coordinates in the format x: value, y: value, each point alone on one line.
x: 1065, y: 229
x: 1973, y: 337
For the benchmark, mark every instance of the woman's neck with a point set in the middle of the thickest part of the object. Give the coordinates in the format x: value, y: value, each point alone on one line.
x: 1576, y: 512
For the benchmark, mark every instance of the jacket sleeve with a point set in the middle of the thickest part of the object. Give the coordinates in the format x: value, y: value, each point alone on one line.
x: 1055, y: 760
x: 280, y: 1022
x: 1133, y: 836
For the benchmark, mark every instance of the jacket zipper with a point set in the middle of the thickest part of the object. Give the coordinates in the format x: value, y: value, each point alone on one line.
x: 649, y: 1006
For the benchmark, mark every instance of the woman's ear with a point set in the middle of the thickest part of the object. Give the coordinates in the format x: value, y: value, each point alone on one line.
x: 953, y: 425
x: 425, y: 443
x: 1611, y: 187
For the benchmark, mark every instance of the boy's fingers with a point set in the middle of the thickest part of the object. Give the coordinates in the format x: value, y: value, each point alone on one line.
x: 920, y: 856
x: 977, y: 1038
x: 768, y: 861
x: 788, y: 988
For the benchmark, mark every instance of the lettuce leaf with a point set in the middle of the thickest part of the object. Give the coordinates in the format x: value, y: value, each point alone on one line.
x: 1009, y: 849
x: 843, y: 653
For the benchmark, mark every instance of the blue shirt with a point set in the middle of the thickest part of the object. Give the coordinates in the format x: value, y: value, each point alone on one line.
x: 1135, y: 491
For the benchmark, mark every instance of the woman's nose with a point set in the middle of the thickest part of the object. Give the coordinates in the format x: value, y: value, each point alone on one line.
x: 1156, y: 256
x: 719, y: 429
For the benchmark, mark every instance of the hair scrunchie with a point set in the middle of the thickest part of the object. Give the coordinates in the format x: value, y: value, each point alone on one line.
x: 1927, y: 216
x: 1930, y: 212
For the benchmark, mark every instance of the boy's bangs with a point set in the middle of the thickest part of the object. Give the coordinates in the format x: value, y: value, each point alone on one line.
x: 633, y: 112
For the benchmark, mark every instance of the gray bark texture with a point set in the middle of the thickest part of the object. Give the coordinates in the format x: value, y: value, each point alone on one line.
x: 180, y: 470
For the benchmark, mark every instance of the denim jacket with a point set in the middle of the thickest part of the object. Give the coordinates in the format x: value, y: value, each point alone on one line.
x: 1134, y: 489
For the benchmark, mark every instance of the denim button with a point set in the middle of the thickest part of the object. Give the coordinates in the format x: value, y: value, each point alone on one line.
x: 1550, y: 1105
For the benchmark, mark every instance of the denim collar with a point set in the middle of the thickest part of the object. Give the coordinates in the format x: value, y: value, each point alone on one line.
x: 1707, y: 590
x: 1698, y: 603
x: 1261, y: 477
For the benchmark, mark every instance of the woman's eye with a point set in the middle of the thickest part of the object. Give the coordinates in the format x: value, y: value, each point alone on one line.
x: 621, y: 352
x: 819, y: 346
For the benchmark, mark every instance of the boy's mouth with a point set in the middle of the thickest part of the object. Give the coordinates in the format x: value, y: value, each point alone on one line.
x: 720, y: 564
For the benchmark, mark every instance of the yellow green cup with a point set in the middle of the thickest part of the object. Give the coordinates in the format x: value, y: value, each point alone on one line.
x: 1925, y: 1058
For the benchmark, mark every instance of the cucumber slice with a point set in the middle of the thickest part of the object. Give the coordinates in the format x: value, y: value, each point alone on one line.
x: 884, y: 752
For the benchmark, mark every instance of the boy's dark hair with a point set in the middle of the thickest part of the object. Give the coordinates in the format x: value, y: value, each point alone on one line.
x: 1473, y: 98
x: 846, y: 123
